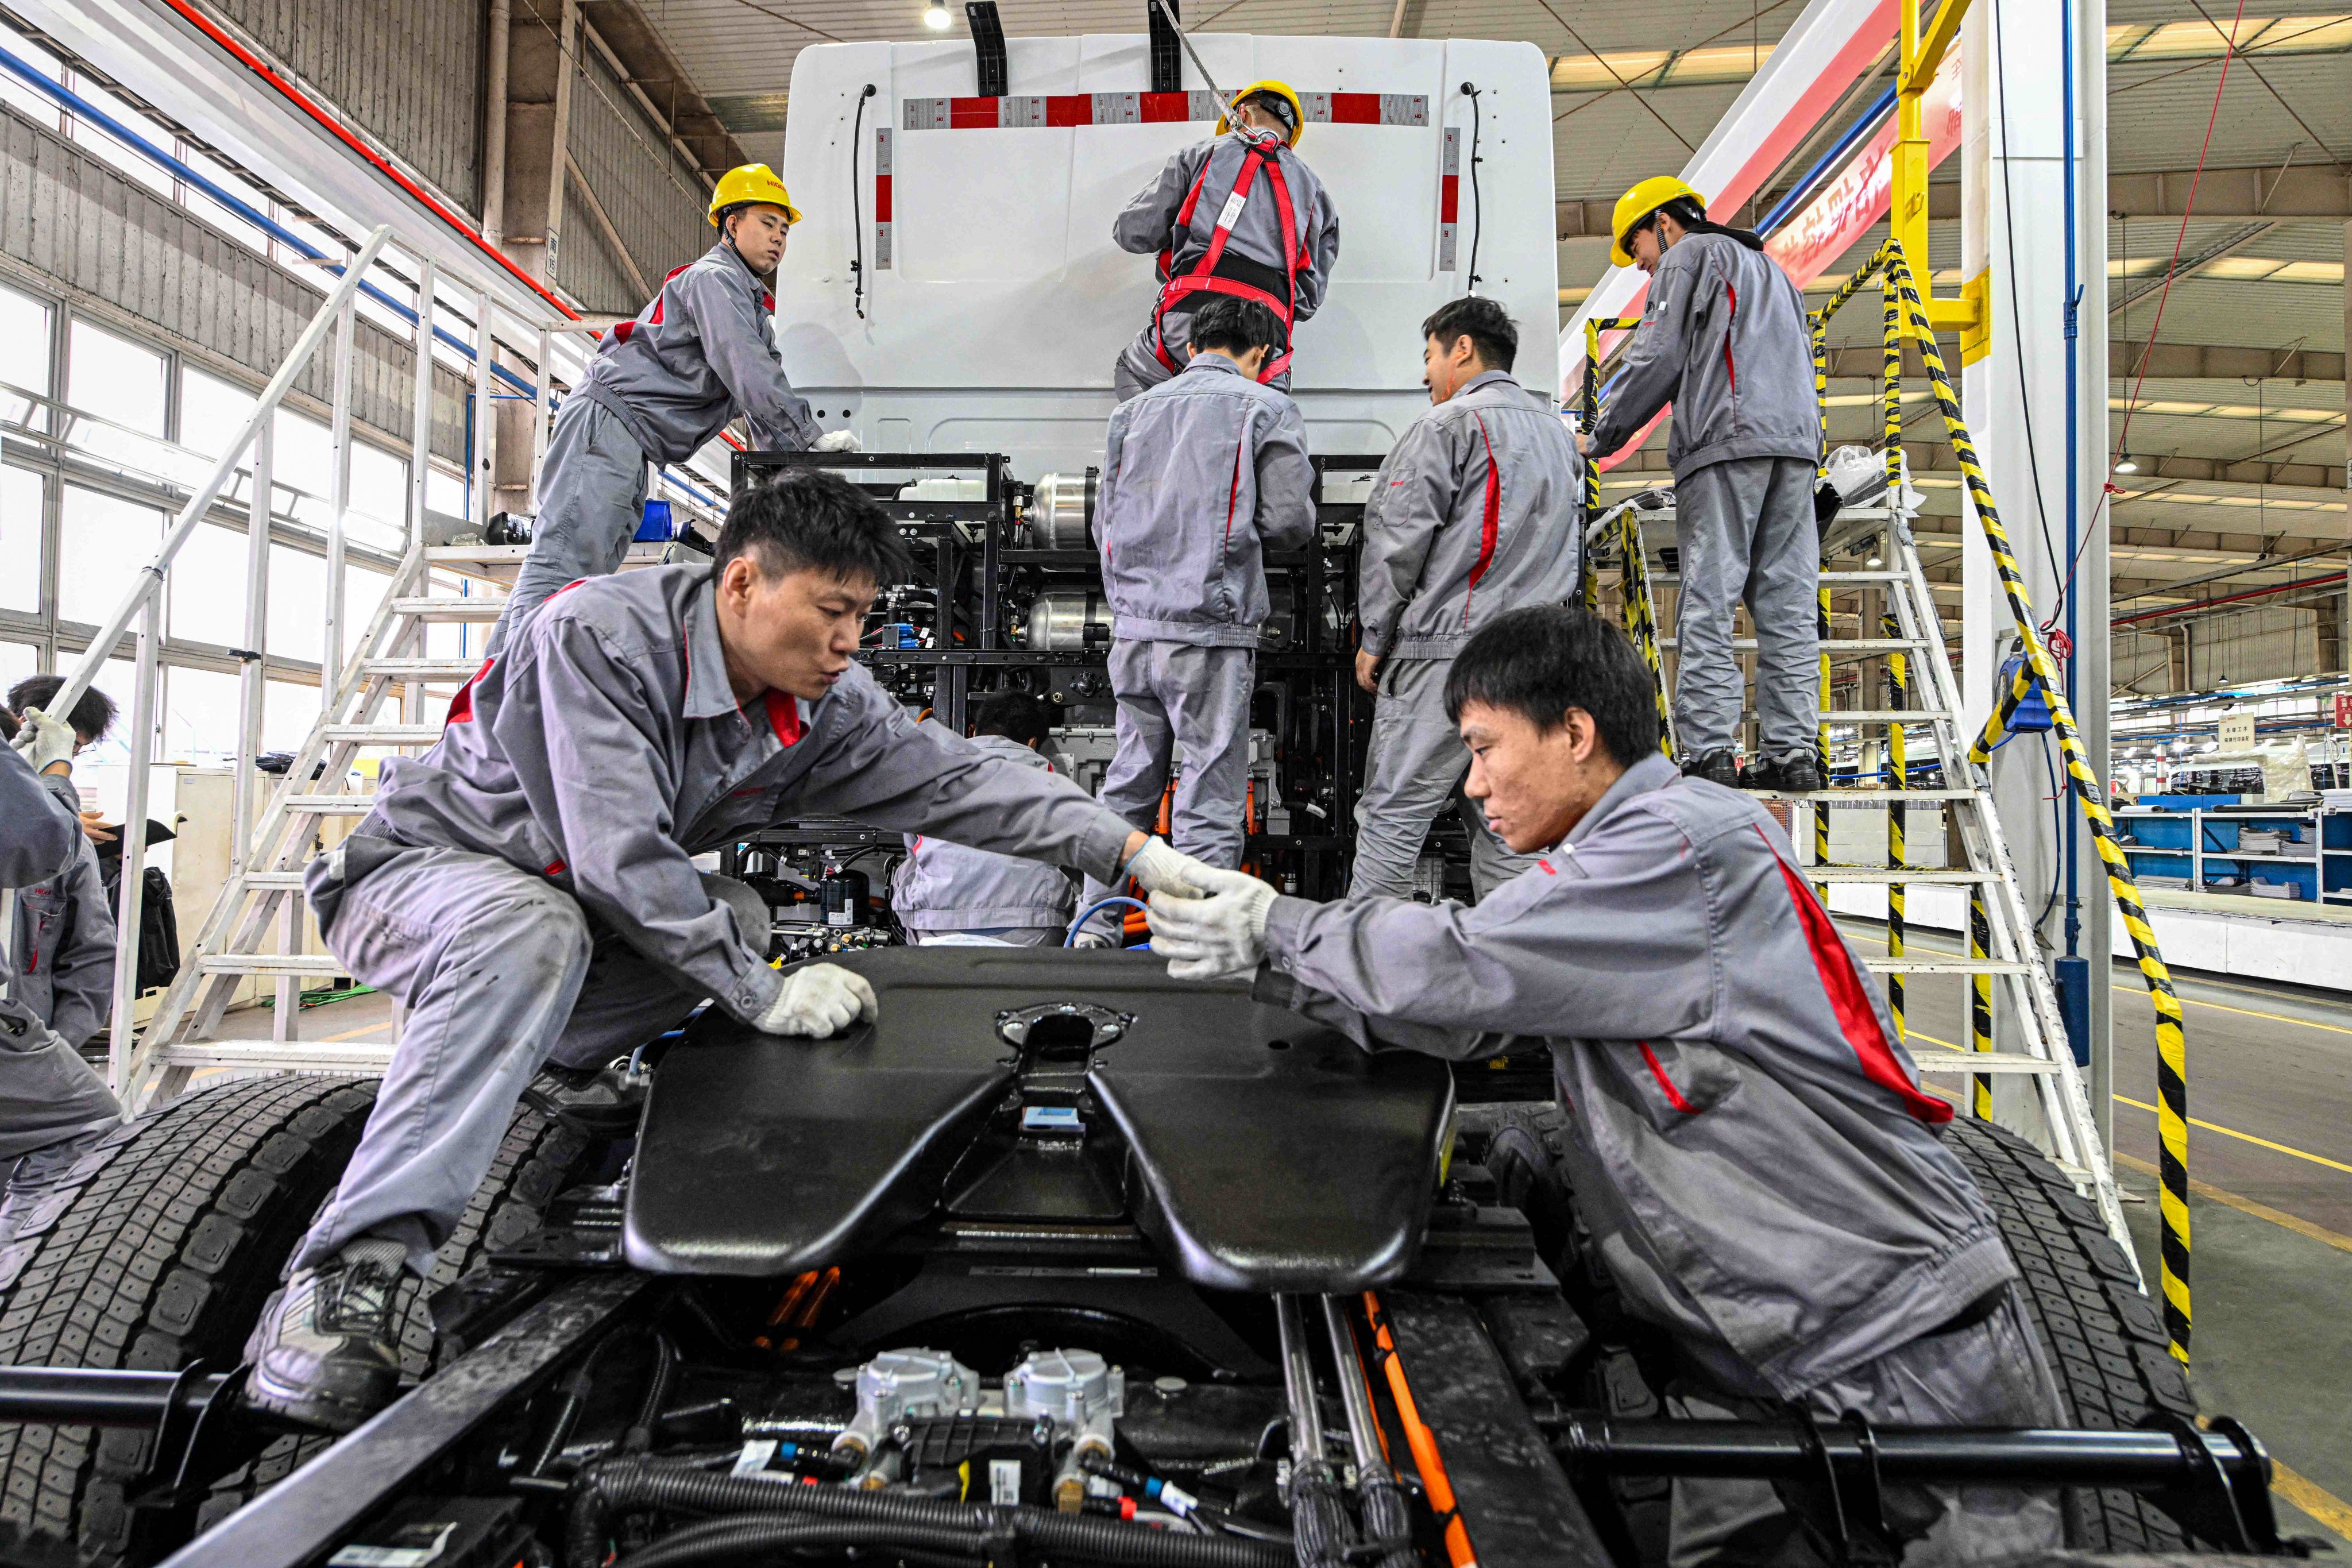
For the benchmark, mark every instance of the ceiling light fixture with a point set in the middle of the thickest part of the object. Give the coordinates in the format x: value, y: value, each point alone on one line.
x: 1875, y: 562
x: 2126, y: 464
x: 935, y: 17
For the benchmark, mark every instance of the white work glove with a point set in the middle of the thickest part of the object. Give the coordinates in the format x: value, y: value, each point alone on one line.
x: 820, y: 1000
x: 44, y: 741
x: 1162, y: 868
x: 838, y: 441
x: 1216, y: 937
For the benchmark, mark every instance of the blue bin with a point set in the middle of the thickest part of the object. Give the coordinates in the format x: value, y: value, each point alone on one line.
x: 658, y: 527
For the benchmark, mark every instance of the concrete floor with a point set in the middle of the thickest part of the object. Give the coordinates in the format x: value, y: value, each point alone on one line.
x: 2270, y: 1211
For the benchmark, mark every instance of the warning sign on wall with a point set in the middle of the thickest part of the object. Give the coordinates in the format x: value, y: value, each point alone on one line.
x: 2237, y: 732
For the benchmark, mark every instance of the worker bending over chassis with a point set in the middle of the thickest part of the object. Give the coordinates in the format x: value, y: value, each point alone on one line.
x: 662, y: 388
x: 1746, y: 1142
x: 53, y: 1107
x: 526, y: 887
x: 63, y: 945
x: 1476, y: 511
x: 1201, y: 475
x: 945, y: 893
x: 1724, y: 338
x: 1239, y: 216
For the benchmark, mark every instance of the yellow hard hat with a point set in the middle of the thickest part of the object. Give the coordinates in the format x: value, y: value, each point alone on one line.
x: 1634, y: 207
x: 1280, y: 90
x: 752, y: 182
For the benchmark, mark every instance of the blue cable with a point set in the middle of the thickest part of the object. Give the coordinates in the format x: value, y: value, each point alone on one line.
x: 1070, y: 937
x: 1804, y: 185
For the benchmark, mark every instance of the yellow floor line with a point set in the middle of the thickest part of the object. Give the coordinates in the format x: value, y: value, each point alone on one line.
x: 2301, y: 1227
x: 2245, y: 1137
x: 2312, y: 1497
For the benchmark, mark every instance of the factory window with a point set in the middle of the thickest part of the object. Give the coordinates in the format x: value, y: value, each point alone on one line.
x: 24, y: 345
x: 114, y: 373
x: 208, y: 587
x: 102, y: 543
x: 20, y: 540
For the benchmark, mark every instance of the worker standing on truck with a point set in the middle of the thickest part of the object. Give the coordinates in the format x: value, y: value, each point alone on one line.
x: 661, y: 387
x: 1240, y: 215
x: 1745, y: 1138
x: 943, y: 892
x: 53, y: 1107
x: 63, y: 946
x: 527, y: 890
x: 1725, y: 340
x: 1201, y: 475
x: 1476, y: 510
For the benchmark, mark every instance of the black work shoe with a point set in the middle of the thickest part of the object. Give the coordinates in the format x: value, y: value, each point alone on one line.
x: 323, y: 1353
x: 1789, y: 773
x: 1715, y: 767
x: 603, y: 1103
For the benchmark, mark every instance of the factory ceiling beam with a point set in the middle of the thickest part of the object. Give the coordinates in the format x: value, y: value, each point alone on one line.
x: 661, y: 85
x: 1937, y: 458
x: 2315, y: 191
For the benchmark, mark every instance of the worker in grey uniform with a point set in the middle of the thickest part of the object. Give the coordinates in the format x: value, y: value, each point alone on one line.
x: 1724, y: 338
x: 661, y: 387
x: 1476, y: 510
x: 526, y: 887
x: 64, y: 942
x: 943, y: 892
x: 1202, y: 475
x: 1746, y: 1139
x: 53, y: 1107
x: 1240, y: 215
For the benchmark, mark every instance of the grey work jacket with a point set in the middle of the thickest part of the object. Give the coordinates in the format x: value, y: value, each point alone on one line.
x: 1149, y: 225
x: 701, y: 353
x: 63, y: 946
x: 942, y: 886
x: 39, y: 827
x: 1747, y: 1140
x: 1724, y: 338
x: 1202, y: 474
x: 1475, y: 511
x: 606, y: 749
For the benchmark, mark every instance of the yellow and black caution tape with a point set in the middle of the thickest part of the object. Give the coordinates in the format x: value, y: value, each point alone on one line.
x: 2171, y: 1036
x: 1897, y: 668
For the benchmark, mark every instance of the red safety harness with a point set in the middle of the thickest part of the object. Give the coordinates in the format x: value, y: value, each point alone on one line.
x: 1217, y: 274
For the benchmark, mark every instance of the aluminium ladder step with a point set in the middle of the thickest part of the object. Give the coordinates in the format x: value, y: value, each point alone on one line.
x: 272, y: 964
x: 1832, y: 645
x: 480, y: 607
x: 383, y: 734
x: 1922, y: 717
x: 281, y: 1055
x: 1843, y: 797
x: 427, y: 669
x: 330, y: 805
x: 1947, y: 966
x: 1937, y: 1059
x: 1874, y: 874
x: 262, y: 881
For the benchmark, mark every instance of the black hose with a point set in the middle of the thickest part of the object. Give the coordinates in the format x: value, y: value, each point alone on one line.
x: 1319, y: 1521
x: 857, y: 219
x: 744, y: 1537
x: 1478, y: 201
x: 618, y: 1486
x: 1388, y: 1521
x: 658, y: 1384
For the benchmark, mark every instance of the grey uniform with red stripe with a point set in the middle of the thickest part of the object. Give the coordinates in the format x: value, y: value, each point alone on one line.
x: 1201, y: 475
x: 1724, y: 338
x: 1746, y: 1140
x: 1476, y: 511
x: 943, y: 890
x: 659, y: 389
x: 64, y: 942
x: 1177, y: 216
x: 526, y: 887
x: 51, y: 1103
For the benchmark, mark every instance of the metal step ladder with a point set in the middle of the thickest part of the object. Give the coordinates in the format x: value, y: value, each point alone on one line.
x: 1920, y: 720
x: 256, y: 925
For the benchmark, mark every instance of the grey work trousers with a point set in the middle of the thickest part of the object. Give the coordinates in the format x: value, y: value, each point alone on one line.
x: 1416, y: 761
x: 500, y: 971
x: 49, y: 1098
x: 1986, y: 1374
x: 1137, y: 368
x: 1177, y: 697
x: 1746, y: 534
x: 592, y: 500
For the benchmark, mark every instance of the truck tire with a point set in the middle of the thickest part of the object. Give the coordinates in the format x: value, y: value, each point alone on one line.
x: 181, y: 1225
x: 2104, y: 1337
x: 164, y: 1256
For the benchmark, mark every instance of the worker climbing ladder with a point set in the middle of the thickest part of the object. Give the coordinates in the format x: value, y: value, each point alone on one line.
x: 1921, y: 721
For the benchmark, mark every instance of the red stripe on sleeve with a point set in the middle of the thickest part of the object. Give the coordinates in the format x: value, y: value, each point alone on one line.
x: 1674, y: 1096
x: 1856, y: 1018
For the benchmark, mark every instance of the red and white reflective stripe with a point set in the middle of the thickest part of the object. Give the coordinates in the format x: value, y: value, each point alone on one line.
x: 1058, y: 111
x: 1492, y: 523
x: 882, y: 198
x: 1449, y: 197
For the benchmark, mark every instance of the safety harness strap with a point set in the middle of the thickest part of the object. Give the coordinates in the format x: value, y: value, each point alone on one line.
x: 1204, y: 279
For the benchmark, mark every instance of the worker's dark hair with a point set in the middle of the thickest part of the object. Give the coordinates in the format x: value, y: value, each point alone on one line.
x: 91, y: 716
x: 1274, y: 103
x: 813, y: 520
x: 1540, y: 661
x: 1493, y: 335
x: 1237, y: 326
x: 1015, y: 715
x: 1692, y: 216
